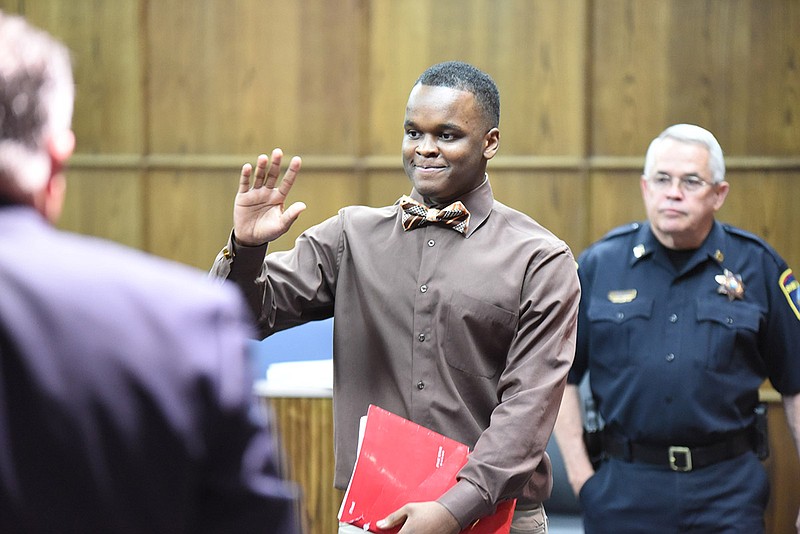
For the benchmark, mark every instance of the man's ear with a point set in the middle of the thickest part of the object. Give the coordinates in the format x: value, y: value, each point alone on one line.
x: 491, y: 143
x: 59, y: 147
x: 722, y: 193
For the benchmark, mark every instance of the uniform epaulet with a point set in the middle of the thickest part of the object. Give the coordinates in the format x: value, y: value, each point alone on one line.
x: 744, y: 234
x: 622, y: 230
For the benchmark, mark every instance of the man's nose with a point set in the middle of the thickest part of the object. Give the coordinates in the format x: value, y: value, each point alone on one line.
x: 675, y: 189
x: 427, y: 145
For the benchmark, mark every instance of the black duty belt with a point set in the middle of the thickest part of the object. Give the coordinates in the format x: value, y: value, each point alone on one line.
x: 679, y: 457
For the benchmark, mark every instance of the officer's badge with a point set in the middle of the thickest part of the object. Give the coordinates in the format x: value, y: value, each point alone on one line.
x: 730, y: 284
x: 791, y: 288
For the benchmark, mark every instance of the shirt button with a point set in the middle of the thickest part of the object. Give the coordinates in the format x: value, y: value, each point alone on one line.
x: 673, y: 318
x: 421, y: 337
x: 729, y: 320
x: 431, y: 242
x: 420, y: 385
x: 670, y: 357
x: 423, y: 288
x: 620, y: 315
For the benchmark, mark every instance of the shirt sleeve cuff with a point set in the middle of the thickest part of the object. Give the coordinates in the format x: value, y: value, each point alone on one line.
x: 245, y: 259
x: 465, y: 502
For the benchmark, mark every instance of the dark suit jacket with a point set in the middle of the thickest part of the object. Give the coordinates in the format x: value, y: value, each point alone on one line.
x: 125, y: 395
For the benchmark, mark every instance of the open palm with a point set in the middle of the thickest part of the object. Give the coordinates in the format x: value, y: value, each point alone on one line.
x: 259, y: 212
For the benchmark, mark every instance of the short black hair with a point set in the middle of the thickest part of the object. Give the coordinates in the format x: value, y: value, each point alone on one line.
x: 464, y: 77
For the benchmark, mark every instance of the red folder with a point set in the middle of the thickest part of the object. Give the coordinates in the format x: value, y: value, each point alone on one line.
x: 399, y: 462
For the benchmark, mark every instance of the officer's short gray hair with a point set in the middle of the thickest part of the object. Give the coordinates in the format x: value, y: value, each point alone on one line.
x: 689, y: 133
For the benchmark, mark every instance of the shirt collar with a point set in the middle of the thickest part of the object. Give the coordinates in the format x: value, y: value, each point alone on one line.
x: 479, y: 202
x: 713, y: 247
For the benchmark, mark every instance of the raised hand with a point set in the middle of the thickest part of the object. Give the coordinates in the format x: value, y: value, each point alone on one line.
x: 259, y: 212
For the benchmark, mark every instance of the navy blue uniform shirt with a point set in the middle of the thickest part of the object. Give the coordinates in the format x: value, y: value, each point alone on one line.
x: 678, y: 356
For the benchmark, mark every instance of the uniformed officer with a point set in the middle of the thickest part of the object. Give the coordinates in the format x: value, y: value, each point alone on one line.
x: 681, y: 319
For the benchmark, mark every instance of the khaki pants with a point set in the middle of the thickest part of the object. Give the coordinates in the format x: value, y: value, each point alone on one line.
x: 532, y: 521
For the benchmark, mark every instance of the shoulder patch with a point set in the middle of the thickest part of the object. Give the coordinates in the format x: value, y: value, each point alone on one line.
x: 791, y: 288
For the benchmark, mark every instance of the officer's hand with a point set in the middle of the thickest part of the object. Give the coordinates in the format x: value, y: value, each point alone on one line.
x: 421, y: 518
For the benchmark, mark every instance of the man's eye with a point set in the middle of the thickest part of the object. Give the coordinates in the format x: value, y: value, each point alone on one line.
x: 661, y: 179
x: 447, y: 136
x: 412, y: 134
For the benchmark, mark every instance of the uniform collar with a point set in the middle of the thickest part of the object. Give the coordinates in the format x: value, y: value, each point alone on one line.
x: 645, y: 245
x: 479, y: 202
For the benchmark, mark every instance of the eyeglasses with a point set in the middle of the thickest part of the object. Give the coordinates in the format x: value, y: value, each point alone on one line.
x: 688, y: 184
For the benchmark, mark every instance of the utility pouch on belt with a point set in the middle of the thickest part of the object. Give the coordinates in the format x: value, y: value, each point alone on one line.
x: 593, y: 431
x: 760, y: 434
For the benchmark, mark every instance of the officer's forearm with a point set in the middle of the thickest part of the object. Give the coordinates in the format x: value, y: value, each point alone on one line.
x: 791, y: 406
x: 569, y: 435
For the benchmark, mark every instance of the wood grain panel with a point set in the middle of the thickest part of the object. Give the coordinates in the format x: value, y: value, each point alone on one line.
x: 729, y: 66
x: 107, y: 62
x: 245, y: 76
x: 615, y: 199
x: 190, y: 213
x: 105, y: 204
x: 783, y: 469
x: 554, y: 199
x: 765, y: 203
x: 305, y: 430
x: 520, y: 43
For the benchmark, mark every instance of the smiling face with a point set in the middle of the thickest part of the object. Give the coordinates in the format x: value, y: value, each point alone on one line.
x: 447, y: 142
x: 681, y: 219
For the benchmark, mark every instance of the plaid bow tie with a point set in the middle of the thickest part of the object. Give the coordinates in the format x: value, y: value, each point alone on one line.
x: 415, y: 215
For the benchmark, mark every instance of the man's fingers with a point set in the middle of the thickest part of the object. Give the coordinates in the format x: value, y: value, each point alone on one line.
x: 274, y: 168
x: 289, y: 177
x: 293, y: 212
x: 392, y: 520
x: 244, y: 178
x: 261, y: 171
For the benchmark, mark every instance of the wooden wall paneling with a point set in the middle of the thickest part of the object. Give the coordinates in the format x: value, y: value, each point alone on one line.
x: 305, y: 430
x: 104, y: 38
x: 765, y: 202
x: 324, y: 191
x: 629, y: 73
x: 12, y: 7
x: 614, y: 199
x: 107, y: 203
x: 247, y: 76
x: 384, y: 186
x: 190, y: 213
x: 552, y: 198
x: 708, y: 48
x: 533, y: 50
x: 783, y: 469
x: 728, y: 66
x: 771, y: 116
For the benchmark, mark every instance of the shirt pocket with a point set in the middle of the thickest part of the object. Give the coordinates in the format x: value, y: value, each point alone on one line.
x: 615, y: 328
x: 478, y: 335
x: 732, y: 331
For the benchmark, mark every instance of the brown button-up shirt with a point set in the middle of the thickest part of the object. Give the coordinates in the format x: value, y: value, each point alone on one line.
x: 471, y: 336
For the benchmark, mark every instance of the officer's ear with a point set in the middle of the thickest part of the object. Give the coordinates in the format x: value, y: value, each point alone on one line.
x: 721, y: 191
